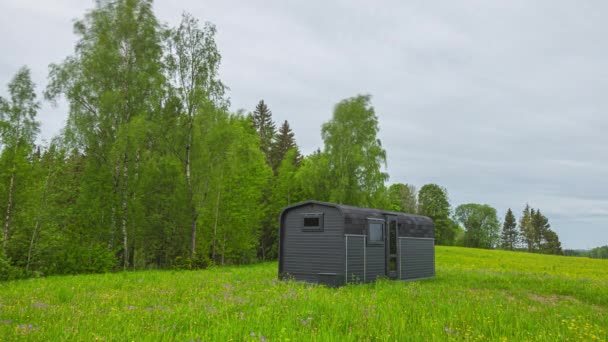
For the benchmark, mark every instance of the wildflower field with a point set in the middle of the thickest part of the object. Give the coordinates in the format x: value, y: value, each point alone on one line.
x: 477, y: 295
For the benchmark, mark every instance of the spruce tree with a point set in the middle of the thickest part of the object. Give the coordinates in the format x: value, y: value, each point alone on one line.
x: 525, y: 227
x: 550, y: 243
x: 540, y: 225
x: 509, y: 232
x: 284, y: 142
x: 263, y: 124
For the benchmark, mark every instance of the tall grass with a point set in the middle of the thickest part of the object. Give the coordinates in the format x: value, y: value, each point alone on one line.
x: 477, y: 295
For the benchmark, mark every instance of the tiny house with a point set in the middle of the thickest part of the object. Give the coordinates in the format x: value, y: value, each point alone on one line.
x: 335, y: 244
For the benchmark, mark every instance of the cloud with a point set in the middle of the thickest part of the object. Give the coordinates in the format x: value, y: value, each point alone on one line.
x: 501, y: 102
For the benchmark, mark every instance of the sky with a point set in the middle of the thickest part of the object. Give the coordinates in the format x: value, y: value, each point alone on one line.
x: 501, y: 102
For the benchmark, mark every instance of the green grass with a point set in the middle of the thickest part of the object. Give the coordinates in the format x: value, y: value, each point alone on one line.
x: 477, y: 295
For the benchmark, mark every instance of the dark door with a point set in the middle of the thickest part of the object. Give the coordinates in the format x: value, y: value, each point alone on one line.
x: 391, y: 248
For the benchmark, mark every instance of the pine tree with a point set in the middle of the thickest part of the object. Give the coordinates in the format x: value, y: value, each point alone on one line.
x: 550, y: 243
x: 540, y: 225
x: 525, y: 227
x: 263, y: 124
x: 284, y: 142
x: 509, y: 233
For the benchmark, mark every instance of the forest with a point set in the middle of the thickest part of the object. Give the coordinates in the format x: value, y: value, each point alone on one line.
x: 153, y: 170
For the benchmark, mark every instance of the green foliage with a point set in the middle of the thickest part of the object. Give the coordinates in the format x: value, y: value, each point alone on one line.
x: 233, y: 176
x: 599, y: 252
x: 313, y: 177
x: 354, y: 154
x: 402, y: 198
x: 596, y: 253
x: 18, y: 125
x: 7, y: 270
x: 286, y: 191
x: 481, y: 224
x: 433, y: 202
x: 18, y: 130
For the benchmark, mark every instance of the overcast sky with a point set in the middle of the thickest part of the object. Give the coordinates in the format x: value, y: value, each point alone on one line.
x: 501, y: 102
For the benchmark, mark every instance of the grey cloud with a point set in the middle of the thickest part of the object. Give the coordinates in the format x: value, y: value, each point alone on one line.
x: 501, y: 102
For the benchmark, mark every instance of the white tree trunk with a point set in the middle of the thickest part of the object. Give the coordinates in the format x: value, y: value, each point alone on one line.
x: 125, y: 198
x: 217, y: 211
x: 9, y: 208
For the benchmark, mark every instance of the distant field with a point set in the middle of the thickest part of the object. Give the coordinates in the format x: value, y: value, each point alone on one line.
x: 477, y: 295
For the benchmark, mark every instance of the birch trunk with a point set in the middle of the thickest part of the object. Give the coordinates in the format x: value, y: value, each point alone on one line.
x: 114, y: 217
x: 217, y: 211
x: 125, y: 197
x: 193, y: 211
x: 9, y: 208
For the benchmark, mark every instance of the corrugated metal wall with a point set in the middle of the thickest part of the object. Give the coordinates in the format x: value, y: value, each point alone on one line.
x: 355, y: 256
x: 417, y: 258
x: 307, y: 253
x: 365, y: 262
x: 375, y: 262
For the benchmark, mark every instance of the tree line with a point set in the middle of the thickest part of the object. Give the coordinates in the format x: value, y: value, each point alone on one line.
x: 153, y: 170
x: 475, y: 225
x: 595, y: 253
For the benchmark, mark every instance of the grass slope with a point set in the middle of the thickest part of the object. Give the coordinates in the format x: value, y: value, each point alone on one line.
x: 477, y: 295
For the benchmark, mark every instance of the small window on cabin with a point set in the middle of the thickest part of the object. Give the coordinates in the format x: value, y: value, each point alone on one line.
x: 313, y: 222
x: 376, y: 232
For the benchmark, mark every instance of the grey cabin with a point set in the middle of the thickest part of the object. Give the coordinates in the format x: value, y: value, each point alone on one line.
x: 335, y: 244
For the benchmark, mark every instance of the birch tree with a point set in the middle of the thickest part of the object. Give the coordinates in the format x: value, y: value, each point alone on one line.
x: 113, y: 77
x: 193, y: 62
x: 354, y: 152
x: 18, y: 130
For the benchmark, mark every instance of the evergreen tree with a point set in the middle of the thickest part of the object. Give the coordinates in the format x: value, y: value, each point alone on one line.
x: 550, y: 243
x: 540, y: 225
x: 263, y: 124
x: 508, y: 239
x: 526, y: 229
x: 284, y: 142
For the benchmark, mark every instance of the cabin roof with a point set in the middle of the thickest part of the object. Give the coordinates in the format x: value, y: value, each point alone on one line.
x: 348, y: 210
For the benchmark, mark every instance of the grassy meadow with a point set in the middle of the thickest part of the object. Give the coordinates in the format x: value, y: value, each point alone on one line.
x: 478, y: 295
